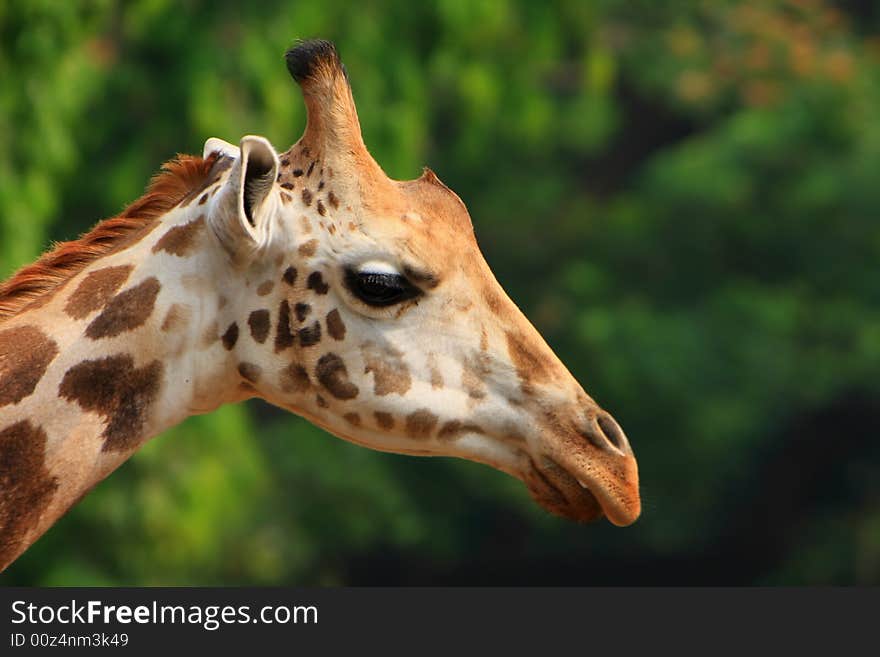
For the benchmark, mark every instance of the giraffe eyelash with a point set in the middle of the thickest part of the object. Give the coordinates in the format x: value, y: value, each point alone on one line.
x: 380, y: 288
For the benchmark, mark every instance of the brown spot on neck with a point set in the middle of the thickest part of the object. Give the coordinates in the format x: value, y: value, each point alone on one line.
x: 250, y: 372
x: 302, y: 311
x: 119, y: 392
x: 176, y: 318
x: 95, y: 290
x: 26, y: 486
x: 265, y: 288
x: 454, y: 429
x: 333, y: 375
x: 294, y: 378
x: 126, y: 311
x: 283, y: 336
x: 181, y: 240
x: 353, y: 419
x: 307, y: 249
x: 420, y: 424
x: 316, y: 283
x: 529, y: 366
x: 310, y: 335
x: 434, y: 372
x: 258, y: 321
x: 210, y: 335
x: 289, y: 275
x: 230, y: 337
x: 335, y: 325
x: 384, y: 420
x: 390, y: 373
x: 475, y: 370
x: 25, y: 353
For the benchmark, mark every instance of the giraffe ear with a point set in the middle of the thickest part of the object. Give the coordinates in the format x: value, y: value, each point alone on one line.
x: 241, y: 219
x: 217, y: 145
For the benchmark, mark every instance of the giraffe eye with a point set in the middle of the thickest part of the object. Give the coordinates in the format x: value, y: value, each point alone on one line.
x: 380, y: 288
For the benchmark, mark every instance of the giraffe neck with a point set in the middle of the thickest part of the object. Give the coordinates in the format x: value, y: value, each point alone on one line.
x: 127, y: 348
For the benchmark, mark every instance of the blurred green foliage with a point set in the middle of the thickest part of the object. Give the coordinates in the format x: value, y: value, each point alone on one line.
x: 682, y: 196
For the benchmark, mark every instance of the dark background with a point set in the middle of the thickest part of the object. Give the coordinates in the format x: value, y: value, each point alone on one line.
x: 681, y: 196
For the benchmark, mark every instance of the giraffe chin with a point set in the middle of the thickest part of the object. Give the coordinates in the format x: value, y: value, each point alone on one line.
x: 561, y: 494
x: 582, y: 499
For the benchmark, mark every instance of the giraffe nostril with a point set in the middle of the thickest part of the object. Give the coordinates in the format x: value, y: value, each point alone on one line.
x: 604, y: 433
x: 612, y: 431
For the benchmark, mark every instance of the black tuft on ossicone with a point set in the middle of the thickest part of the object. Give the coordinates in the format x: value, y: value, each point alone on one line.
x: 303, y: 58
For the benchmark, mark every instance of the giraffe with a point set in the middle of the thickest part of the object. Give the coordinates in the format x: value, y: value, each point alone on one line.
x: 309, y: 279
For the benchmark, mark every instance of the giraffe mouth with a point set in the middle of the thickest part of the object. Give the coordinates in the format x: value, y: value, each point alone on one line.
x: 562, y: 494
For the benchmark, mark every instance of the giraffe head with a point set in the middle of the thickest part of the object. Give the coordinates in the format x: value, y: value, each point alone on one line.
x: 365, y: 305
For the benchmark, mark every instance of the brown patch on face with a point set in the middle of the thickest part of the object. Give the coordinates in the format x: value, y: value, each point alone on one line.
x: 473, y: 375
x: 390, y: 373
x: 250, y: 371
x: 335, y: 325
x: 230, y: 337
x: 310, y: 335
x: 95, y: 290
x: 311, y: 168
x: 25, y: 353
x: 352, y: 226
x: 455, y: 429
x: 332, y: 229
x: 297, y: 173
x: 321, y: 209
x: 289, y: 275
x: 529, y: 367
x: 316, y: 283
x: 25, y: 485
x: 305, y: 225
x: 493, y: 301
x: 307, y: 196
x: 181, y: 240
x: 258, y: 321
x: 421, y: 277
x: 320, y: 401
x: 332, y: 200
x: 210, y: 335
x: 283, y: 335
x: 116, y: 390
x: 353, y: 419
x: 302, y: 310
x: 265, y: 288
x: 307, y: 249
x: 434, y: 371
x: 176, y: 318
x: 420, y: 424
x: 384, y: 420
x: 286, y: 198
x: 294, y: 378
x: 126, y: 311
x: 287, y: 185
x: 333, y: 375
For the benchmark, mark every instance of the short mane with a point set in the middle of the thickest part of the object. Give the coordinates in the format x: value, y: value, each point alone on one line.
x: 182, y: 177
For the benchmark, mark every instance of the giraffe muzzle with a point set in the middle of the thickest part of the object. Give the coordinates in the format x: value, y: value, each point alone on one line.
x: 586, y: 472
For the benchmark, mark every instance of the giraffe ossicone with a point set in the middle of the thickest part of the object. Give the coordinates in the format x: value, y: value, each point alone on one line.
x: 310, y: 279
